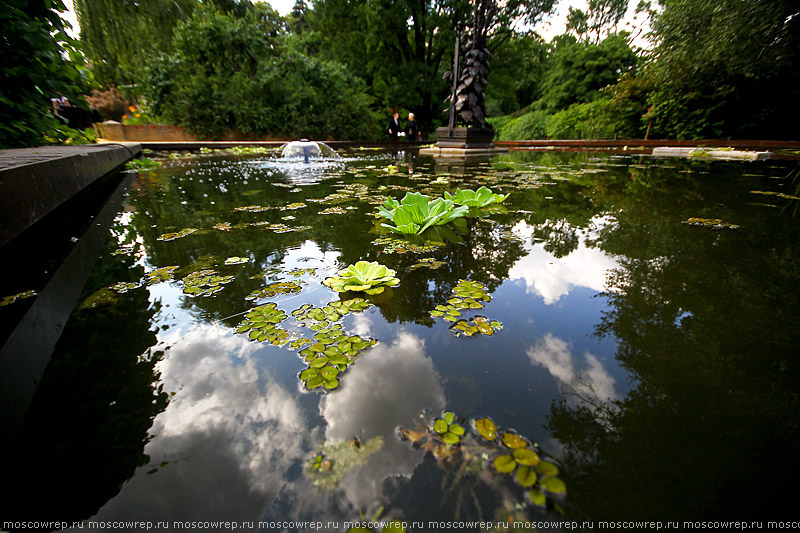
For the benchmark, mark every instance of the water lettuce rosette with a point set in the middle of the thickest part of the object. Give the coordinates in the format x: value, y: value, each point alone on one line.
x: 365, y: 276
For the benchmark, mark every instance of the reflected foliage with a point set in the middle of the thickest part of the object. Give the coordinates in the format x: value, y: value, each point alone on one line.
x: 707, y: 332
x: 87, y: 426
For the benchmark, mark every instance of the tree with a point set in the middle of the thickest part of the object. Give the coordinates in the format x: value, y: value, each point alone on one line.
x: 118, y: 37
x: 601, y: 16
x: 578, y: 70
x: 240, y: 73
x: 40, y: 61
x: 401, y: 48
x: 727, y: 68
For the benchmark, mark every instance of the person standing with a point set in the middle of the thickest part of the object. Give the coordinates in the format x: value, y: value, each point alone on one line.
x: 394, y: 127
x: 412, y: 129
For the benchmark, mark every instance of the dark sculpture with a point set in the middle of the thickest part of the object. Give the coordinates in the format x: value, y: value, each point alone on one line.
x: 469, y: 93
x: 467, y: 97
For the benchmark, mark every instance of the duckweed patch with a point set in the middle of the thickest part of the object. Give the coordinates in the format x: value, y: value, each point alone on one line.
x: 160, y: 274
x: 177, y: 235
x: 713, y: 223
x: 332, y: 460
x: 274, y: 289
x: 511, y: 460
x: 467, y: 295
x: 8, y: 300
x: 262, y: 324
x: 395, y: 245
x: 204, y: 283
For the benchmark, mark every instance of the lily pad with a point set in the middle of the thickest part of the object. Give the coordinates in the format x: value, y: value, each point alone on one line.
x: 505, y: 464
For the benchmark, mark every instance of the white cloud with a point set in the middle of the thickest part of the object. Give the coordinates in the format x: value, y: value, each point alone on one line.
x: 388, y: 386
x: 591, y: 380
x: 551, y: 277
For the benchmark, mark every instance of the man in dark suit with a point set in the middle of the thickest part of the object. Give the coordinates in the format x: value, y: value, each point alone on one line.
x: 394, y: 127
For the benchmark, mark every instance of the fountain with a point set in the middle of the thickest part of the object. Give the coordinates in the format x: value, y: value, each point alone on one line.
x: 307, y: 150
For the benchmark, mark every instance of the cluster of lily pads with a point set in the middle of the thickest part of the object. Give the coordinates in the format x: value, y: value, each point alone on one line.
x: 394, y: 245
x: 204, y: 282
x: 467, y: 295
x: 502, y: 456
x: 365, y: 276
x: 713, y: 223
x: 332, y: 353
x: 274, y: 289
x: 8, y: 300
x: 177, y: 234
x: 262, y: 324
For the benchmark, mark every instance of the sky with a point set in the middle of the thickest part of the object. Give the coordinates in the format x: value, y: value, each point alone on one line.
x: 552, y: 26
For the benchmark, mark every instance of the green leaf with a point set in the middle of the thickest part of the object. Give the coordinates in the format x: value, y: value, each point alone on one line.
x: 514, y: 441
x: 486, y: 428
x: 526, y: 476
x: 457, y: 429
x: 450, y: 438
x: 449, y: 417
x: 553, y: 484
x: 439, y: 426
x: 505, y: 464
x: 526, y: 457
x: 537, y: 497
x: 547, y: 469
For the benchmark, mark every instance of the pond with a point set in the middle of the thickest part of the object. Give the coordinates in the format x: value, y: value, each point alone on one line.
x: 617, y: 340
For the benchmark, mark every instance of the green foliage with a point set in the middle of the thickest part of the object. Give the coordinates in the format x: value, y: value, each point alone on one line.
x: 365, y: 276
x: 483, y: 197
x: 416, y: 212
x: 40, y: 61
x: 119, y: 37
x: 727, y: 67
x: 517, y: 69
x: 578, y: 70
x: 230, y: 72
x: 593, y: 120
x: 531, y: 125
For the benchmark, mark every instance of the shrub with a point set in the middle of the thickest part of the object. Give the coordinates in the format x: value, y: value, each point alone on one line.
x: 111, y: 104
x: 531, y: 125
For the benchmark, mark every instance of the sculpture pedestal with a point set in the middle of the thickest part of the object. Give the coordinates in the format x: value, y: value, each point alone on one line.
x: 463, y: 142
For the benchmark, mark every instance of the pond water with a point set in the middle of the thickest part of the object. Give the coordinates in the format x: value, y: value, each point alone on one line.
x: 650, y: 359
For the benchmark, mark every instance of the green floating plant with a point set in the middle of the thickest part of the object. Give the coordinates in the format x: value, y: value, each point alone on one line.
x: 333, y: 211
x: 177, y: 235
x: 292, y: 206
x: 235, y: 260
x: 204, y: 283
x: 8, y: 300
x: 394, y: 245
x: 122, y: 287
x: 502, y: 459
x: 317, y: 318
x: 448, y: 429
x: 428, y: 262
x: 365, y: 276
x: 467, y: 295
x: 483, y: 197
x: 253, y: 208
x: 332, y: 460
x: 262, y: 324
x: 476, y: 325
x: 330, y: 355
x: 274, y: 289
x: 160, y: 274
x: 416, y: 212
x: 713, y: 223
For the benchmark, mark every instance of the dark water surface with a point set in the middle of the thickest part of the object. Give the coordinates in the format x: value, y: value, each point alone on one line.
x: 654, y: 361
